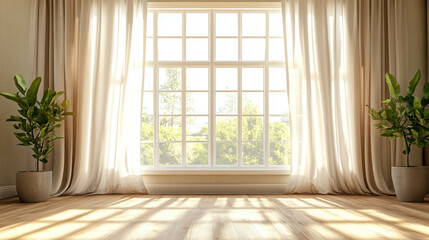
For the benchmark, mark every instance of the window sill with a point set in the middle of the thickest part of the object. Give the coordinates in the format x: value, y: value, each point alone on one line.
x: 163, y: 171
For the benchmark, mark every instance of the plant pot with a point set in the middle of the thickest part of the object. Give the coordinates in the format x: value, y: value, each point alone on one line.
x: 427, y: 174
x: 34, y: 186
x: 410, y: 183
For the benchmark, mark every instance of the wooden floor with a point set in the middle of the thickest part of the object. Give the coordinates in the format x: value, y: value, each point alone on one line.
x: 215, y: 217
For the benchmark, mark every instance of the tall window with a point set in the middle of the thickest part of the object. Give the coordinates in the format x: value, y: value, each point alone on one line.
x: 215, y: 91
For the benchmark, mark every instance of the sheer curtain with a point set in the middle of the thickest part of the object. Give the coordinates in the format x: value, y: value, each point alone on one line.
x: 333, y: 70
x: 95, y: 51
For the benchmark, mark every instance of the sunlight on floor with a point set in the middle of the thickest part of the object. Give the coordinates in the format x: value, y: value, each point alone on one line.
x: 209, y: 217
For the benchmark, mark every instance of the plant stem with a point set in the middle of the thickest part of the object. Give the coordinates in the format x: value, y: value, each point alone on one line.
x: 406, y: 149
x: 35, y: 143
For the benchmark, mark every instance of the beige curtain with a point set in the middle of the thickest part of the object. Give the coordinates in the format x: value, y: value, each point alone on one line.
x: 94, y: 50
x: 337, y: 54
x: 383, y: 48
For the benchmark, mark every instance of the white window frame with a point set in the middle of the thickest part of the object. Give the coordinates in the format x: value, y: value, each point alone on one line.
x: 212, y: 64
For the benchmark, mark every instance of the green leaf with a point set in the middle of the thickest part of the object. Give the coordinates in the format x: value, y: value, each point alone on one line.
x: 45, y: 95
x: 18, y: 134
x: 42, y: 133
x: 416, y: 103
x: 13, y: 118
x: 32, y: 91
x: 387, y: 101
x: 65, y: 104
x: 56, y: 96
x: 413, y: 83
x: 14, y: 97
x: 425, y: 98
x: 55, y: 137
x: 20, y: 83
x: 25, y: 144
x: 426, y: 88
x: 30, y: 112
x: 49, y: 150
x: 371, y: 112
x: 397, y: 134
x: 387, y: 133
x: 393, y: 85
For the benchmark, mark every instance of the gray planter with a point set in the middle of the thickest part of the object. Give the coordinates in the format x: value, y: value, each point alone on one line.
x: 410, y: 183
x: 427, y: 173
x: 34, y: 186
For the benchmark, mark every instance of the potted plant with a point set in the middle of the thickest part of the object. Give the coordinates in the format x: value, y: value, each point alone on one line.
x: 406, y: 117
x: 35, y: 124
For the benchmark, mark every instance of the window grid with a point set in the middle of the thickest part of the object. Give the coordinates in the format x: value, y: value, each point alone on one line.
x: 212, y: 65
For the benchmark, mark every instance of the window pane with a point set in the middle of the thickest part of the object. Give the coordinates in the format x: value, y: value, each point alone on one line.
x: 170, y: 128
x: 197, y: 78
x: 149, y: 49
x: 279, y: 129
x: 253, y: 153
x: 226, y: 153
x: 147, y: 103
x: 170, y: 103
x: 253, y: 103
x: 148, y: 79
x: 277, y: 79
x: 277, y: 49
x: 278, y: 103
x: 197, y: 153
x: 197, y: 103
x: 253, y: 24
x: 253, y: 78
x: 170, y: 153
x: 253, y: 49
x: 226, y: 24
x: 169, y: 49
x: 276, y: 24
x: 197, y: 49
x: 197, y: 24
x: 197, y: 128
x: 169, y: 24
x: 170, y: 79
x: 146, y: 154
x: 226, y: 78
x: 147, y: 128
x: 226, y: 49
x: 149, y: 25
x: 253, y: 128
x: 226, y: 128
x: 226, y: 103
x: 279, y: 153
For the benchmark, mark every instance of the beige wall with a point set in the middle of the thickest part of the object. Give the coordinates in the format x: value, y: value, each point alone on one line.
x: 14, y: 48
x: 14, y: 52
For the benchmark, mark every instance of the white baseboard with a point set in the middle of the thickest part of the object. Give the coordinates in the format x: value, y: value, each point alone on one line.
x: 7, y: 191
x: 216, y: 188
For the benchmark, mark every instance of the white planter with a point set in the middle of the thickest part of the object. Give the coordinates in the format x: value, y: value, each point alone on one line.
x: 410, y: 183
x: 34, y: 186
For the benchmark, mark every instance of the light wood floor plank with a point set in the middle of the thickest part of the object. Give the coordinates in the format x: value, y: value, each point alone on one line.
x: 200, y: 217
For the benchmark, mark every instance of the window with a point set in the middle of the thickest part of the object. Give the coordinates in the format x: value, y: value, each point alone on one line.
x: 215, y: 91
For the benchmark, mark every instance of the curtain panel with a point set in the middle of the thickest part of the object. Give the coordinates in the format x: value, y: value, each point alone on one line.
x: 337, y: 54
x: 95, y: 51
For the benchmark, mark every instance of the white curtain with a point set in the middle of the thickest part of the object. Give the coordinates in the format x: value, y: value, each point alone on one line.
x: 327, y: 59
x: 95, y: 51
